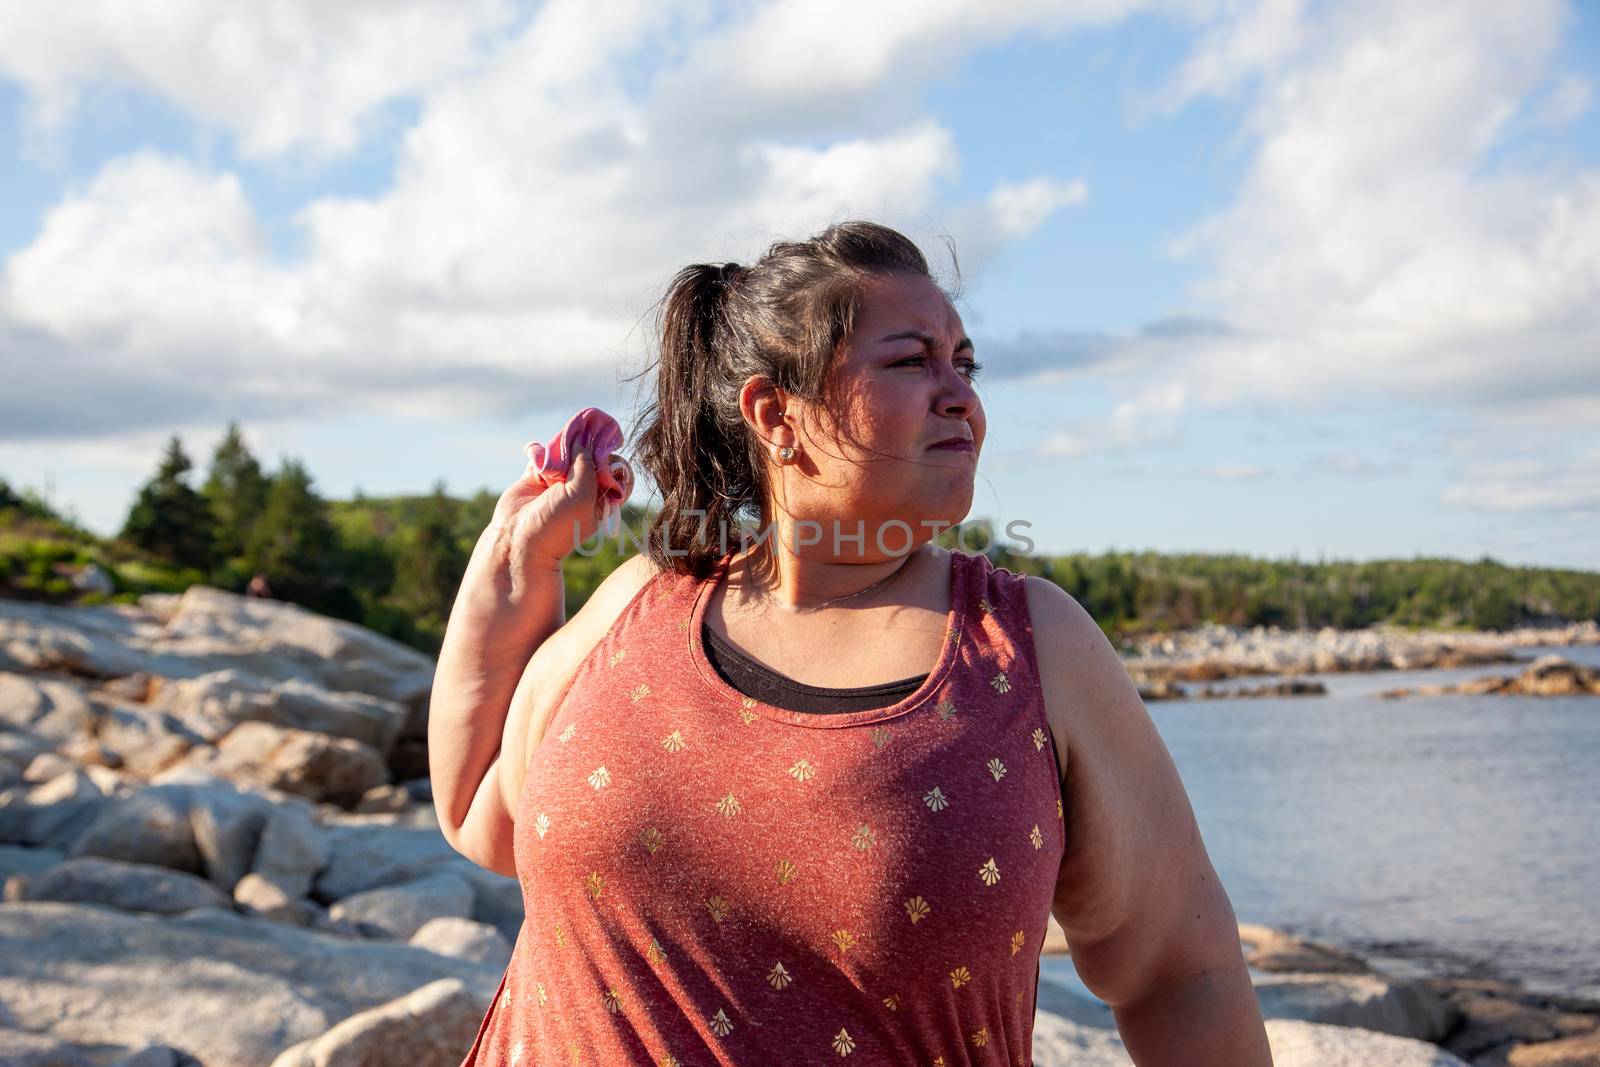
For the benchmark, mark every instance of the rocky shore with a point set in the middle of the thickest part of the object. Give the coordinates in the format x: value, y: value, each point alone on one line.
x: 1212, y: 653
x: 1549, y: 676
x: 218, y: 847
x: 1329, y: 1006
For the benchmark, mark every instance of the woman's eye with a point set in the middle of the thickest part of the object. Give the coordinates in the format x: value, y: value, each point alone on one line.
x: 969, y: 367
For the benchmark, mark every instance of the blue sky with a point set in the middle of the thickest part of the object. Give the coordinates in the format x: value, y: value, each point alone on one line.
x: 1278, y: 277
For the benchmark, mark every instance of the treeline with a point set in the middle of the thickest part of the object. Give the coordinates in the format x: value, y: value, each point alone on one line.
x: 394, y: 563
x: 1145, y: 591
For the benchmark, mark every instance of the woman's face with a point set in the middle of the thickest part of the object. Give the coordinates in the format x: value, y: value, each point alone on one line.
x: 905, y: 383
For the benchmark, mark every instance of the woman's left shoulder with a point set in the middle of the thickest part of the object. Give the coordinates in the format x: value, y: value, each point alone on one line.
x: 1080, y: 672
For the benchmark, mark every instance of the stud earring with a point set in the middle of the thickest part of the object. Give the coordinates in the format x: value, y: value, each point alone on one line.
x: 785, y: 454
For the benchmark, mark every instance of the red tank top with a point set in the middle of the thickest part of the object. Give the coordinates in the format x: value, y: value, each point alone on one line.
x: 713, y: 880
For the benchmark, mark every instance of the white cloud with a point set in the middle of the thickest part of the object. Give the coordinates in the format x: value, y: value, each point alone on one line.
x: 538, y: 204
x: 1521, y: 485
x: 293, y: 74
x: 1376, y: 245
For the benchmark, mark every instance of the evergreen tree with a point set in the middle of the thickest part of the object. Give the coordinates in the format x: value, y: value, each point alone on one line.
x: 295, y: 545
x: 236, y: 489
x: 431, y: 560
x: 169, y: 519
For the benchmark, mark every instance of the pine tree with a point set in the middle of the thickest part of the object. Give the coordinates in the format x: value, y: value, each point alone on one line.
x: 431, y: 561
x: 236, y: 489
x: 294, y: 543
x: 169, y: 519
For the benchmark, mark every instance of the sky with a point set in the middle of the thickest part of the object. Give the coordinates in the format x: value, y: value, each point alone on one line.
x: 1299, y: 280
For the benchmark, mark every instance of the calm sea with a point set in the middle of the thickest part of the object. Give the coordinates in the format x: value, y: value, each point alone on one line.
x: 1433, y: 834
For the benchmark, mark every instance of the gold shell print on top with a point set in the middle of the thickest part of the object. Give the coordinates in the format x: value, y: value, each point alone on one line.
x: 792, y: 858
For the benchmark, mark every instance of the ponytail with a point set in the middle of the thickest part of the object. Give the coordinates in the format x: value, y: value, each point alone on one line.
x: 780, y: 319
x: 695, y: 457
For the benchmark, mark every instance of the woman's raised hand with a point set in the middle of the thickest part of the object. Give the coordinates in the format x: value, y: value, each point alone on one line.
x: 544, y: 521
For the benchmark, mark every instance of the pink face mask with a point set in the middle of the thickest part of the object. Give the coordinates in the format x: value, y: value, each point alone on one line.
x: 600, y: 432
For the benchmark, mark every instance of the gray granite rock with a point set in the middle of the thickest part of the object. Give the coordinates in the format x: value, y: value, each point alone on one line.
x: 50, y: 708
x: 399, y: 911
x: 1365, y: 1001
x: 431, y: 1027
x: 291, y: 850
x: 151, y: 826
x: 129, y: 886
x: 228, y: 990
x: 227, y: 825
x: 301, y: 762
x: 465, y: 939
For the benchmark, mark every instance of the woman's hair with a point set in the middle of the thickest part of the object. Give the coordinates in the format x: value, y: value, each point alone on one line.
x: 781, y: 318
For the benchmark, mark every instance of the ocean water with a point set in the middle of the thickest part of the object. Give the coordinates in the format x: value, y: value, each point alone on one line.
x: 1449, y: 835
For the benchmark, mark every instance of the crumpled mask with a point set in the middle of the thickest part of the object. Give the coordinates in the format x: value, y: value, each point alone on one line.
x: 600, y: 432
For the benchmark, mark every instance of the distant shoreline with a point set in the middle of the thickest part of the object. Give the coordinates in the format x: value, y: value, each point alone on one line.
x: 1213, y: 653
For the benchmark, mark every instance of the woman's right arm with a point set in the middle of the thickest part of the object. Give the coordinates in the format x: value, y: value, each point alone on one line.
x: 510, y: 603
x: 496, y: 626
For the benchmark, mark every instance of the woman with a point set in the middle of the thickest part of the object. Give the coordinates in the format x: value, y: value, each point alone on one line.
x: 737, y: 843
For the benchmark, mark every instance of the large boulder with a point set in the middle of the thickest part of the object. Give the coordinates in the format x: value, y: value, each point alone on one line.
x: 399, y: 911
x: 342, y: 656
x: 227, y: 827
x: 129, y: 886
x: 307, y: 764
x: 105, y: 641
x: 431, y: 1027
x: 1059, y: 1042
x: 53, y: 709
x: 214, y: 703
x: 207, y: 630
x: 465, y: 940
x: 145, y: 740
x: 363, y: 857
x: 50, y: 825
x: 152, y: 826
x: 227, y: 990
x: 16, y: 859
x: 21, y: 1049
x: 291, y: 850
x: 1367, y: 1001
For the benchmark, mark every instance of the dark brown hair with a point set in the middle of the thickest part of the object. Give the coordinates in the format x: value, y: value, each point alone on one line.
x: 781, y: 318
